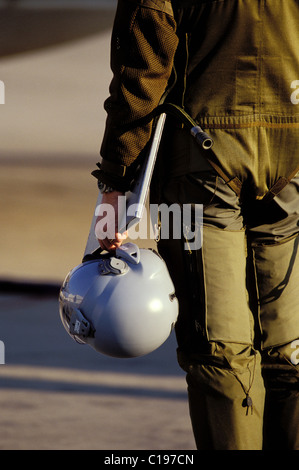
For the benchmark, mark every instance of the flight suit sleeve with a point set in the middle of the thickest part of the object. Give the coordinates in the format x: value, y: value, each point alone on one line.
x: 143, y: 46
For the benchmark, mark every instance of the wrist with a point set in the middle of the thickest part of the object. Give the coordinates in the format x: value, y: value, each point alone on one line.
x: 105, y: 188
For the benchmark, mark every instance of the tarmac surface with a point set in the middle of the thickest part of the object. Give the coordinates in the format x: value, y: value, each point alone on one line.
x: 54, y: 393
x: 58, y: 395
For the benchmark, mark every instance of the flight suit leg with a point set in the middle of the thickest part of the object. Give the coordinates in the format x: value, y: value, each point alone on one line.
x: 281, y: 377
x: 277, y: 271
x: 226, y: 398
x: 215, y: 325
x: 276, y: 263
x: 215, y: 341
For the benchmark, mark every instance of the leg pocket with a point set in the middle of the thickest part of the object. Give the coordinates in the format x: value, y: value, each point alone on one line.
x: 277, y: 277
x: 228, y: 316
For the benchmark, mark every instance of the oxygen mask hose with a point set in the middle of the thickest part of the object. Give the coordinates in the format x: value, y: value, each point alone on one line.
x: 201, y: 137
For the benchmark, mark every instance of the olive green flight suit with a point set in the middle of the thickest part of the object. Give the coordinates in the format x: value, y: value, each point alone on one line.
x: 233, y: 65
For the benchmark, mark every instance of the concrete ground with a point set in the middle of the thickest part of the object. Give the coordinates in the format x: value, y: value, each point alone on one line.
x: 55, y: 394
x: 58, y: 395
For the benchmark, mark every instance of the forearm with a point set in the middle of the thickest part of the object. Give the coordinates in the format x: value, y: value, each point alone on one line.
x: 143, y: 46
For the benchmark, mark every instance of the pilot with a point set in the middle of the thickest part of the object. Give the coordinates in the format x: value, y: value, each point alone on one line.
x: 233, y: 66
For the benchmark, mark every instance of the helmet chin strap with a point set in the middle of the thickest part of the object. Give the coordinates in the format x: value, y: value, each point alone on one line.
x: 96, y: 254
x: 128, y: 252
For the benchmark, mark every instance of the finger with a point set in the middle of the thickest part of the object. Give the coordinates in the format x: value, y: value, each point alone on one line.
x: 121, y: 236
x: 109, y: 244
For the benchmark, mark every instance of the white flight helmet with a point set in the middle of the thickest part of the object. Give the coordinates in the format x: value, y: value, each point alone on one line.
x: 122, y: 305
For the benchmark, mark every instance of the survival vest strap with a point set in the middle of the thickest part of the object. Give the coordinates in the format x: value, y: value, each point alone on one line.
x: 280, y: 184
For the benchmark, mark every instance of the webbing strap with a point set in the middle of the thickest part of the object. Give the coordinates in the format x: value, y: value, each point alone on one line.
x: 234, y: 183
x: 280, y: 184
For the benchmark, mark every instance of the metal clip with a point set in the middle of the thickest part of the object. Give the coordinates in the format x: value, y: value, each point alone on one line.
x: 78, y: 325
x: 112, y: 266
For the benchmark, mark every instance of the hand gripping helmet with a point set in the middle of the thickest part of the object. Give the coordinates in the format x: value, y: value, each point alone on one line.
x: 122, y: 305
